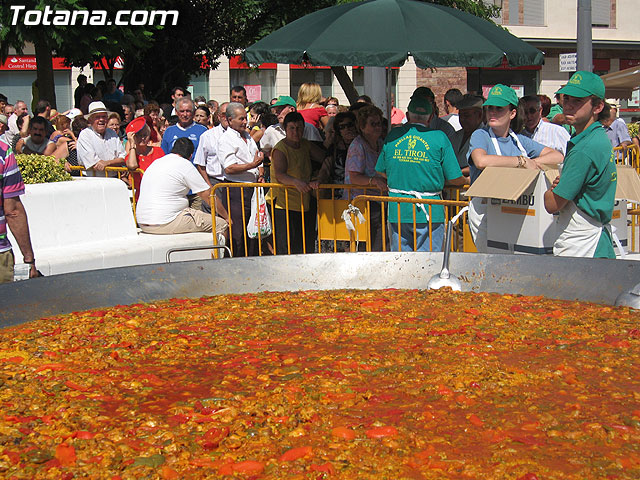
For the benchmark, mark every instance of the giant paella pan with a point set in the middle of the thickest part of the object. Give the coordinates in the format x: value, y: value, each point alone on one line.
x: 323, y: 366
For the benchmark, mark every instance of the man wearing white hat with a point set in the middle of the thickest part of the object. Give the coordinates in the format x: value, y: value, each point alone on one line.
x: 98, y: 146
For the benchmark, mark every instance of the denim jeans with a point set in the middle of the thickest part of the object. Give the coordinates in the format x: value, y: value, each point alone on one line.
x: 422, y: 237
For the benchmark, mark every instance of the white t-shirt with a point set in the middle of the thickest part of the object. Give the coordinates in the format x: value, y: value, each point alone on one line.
x: 12, y: 129
x: 164, y: 188
x: 454, y: 121
x: 34, y: 147
x: 92, y: 147
x: 232, y: 149
x: 207, y: 153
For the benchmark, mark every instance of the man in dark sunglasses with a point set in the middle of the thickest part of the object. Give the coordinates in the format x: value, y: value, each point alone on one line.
x: 544, y: 132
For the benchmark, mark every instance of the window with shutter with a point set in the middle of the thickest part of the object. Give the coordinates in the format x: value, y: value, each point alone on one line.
x: 601, y: 13
x: 533, y: 12
x: 514, y: 12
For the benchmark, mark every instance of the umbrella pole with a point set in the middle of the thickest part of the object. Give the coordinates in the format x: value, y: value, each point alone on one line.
x: 346, y: 83
x: 389, y: 106
x: 480, y: 81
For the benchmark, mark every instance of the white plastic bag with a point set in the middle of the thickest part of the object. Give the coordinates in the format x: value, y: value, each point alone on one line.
x: 262, y: 226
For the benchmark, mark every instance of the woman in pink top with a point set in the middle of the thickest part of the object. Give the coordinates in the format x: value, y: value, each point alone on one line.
x: 309, y: 97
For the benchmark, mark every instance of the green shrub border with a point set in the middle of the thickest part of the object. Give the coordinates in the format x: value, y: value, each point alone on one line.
x: 42, y: 169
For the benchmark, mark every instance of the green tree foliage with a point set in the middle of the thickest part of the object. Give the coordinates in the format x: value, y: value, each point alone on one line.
x: 162, y: 57
x: 78, y: 44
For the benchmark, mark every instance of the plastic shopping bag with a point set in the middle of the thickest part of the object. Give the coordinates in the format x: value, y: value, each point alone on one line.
x: 259, y: 225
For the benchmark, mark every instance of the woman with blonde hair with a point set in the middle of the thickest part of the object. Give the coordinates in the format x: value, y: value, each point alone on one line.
x: 308, y: 104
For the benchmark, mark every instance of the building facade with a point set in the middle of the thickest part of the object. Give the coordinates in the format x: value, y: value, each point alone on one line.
x: 549, y: 25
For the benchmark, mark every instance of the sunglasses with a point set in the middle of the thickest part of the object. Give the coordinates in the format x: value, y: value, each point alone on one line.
x: 531, y: 111
x: 346, y: 125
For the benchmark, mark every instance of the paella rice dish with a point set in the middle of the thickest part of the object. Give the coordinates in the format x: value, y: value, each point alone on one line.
x: 346, y: 384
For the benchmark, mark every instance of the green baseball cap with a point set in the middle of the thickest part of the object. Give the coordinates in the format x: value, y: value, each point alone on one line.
x: 501, y: 96
x: 284, y: 100
x: 582, y: 84
x: 420, y: 106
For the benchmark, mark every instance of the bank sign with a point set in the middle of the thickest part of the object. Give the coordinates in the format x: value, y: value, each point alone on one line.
x: 28, y: 62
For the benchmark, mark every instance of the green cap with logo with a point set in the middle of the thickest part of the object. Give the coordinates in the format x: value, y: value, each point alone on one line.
x: 420, y: 106
x: 583, y: 84
x: 284, y: 100
x: 501, y: 96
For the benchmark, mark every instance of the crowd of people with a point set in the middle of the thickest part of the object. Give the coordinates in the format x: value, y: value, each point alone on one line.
x: 188, y: 146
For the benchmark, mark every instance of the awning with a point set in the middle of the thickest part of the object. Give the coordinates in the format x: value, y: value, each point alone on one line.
x: 621, y: 84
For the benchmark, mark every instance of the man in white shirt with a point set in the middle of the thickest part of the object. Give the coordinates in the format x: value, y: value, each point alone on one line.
x: 451, y: 99
x: 206, y: 159
x: 242, y: 163
x: 99, y: 147
x: 547, y: 133
x: 19, y: 108
x: 163, y: 207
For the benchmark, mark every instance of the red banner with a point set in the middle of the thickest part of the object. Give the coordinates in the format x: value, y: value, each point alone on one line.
x: 28, y: 62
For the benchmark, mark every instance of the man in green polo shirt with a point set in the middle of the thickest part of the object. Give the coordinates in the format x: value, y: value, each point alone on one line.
x: 416, y: 162
x: 584, y: 193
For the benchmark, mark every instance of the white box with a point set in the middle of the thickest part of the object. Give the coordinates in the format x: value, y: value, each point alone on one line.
x: 517, y: 221
x: 619, y: 221
x: 522, y: 225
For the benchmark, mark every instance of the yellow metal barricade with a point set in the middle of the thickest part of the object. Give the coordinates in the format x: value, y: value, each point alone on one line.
x: 269, y: 243
x: 631, y: 156
x: 329, y: 206
x: 120, y: 173
x: 628, y: 156
x: 451, y: 208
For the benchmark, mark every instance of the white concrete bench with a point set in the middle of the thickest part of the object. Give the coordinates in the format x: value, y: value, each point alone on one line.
x: 88, y: 224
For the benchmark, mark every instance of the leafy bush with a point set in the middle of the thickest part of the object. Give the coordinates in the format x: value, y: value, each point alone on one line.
x: 41, y: 169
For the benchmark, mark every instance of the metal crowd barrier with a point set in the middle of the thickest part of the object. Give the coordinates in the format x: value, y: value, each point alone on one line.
x: 451, y: 208
x: 631, y: 156
x: 329, y: 207
x: 330, y: 222
x: 628, y: 156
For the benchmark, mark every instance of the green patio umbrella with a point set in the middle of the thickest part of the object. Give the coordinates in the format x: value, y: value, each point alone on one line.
x: 383, y: 33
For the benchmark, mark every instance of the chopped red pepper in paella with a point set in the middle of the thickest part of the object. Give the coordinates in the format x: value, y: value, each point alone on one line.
x: 388, y: 384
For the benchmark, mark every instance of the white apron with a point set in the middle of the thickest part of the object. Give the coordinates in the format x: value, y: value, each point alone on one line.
x: 419, y: 195
x: 580, y: 233
x: 477, y: 216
